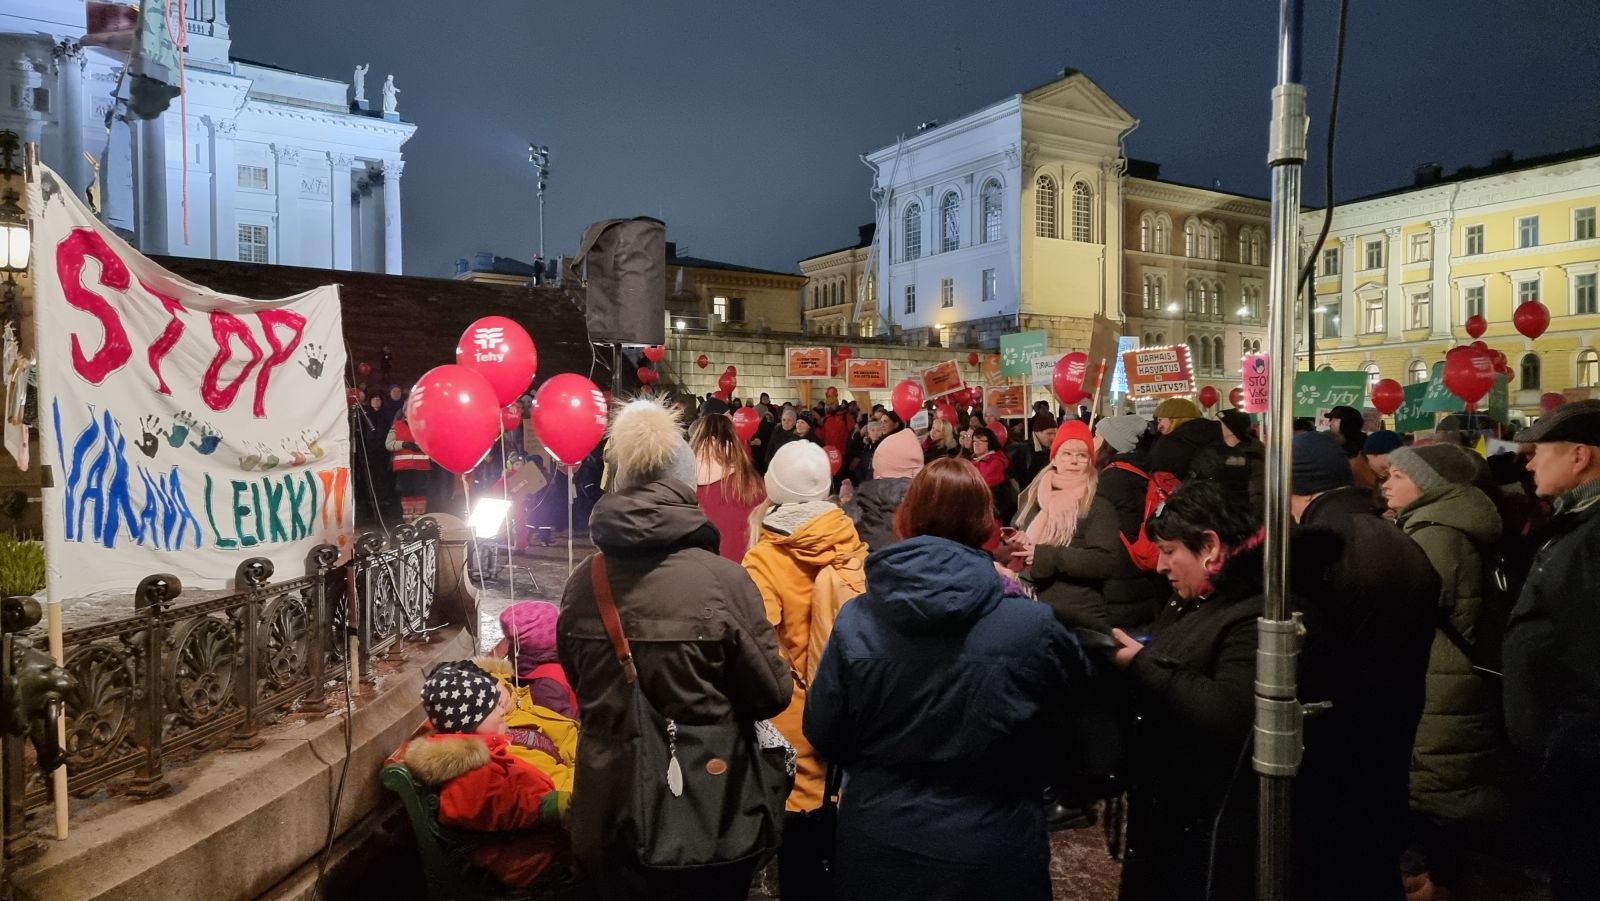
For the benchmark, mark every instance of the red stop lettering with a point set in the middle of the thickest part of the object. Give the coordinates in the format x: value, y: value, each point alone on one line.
x: 281, y: 352
x: 169, y: 336
x: 225, y: 327
x: 114, y: 351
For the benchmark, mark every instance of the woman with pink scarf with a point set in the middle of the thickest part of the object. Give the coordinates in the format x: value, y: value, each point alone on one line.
x: 1068, y: 534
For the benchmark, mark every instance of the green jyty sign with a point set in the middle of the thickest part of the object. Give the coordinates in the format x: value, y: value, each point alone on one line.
x: 1017, y: 352
x: 1318, y: 391
x: 1411, y: 417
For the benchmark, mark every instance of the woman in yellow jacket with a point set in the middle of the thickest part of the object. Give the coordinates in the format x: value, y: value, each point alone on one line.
x: 807, y: 560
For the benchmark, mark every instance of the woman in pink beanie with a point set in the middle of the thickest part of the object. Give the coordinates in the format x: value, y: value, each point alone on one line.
x: 530, y: 644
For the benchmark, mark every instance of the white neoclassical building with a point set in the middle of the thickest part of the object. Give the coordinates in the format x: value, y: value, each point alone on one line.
x: 257, y: 163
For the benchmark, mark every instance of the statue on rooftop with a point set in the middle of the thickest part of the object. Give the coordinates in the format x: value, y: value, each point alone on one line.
x: 390, y: 92
x: 360, y: 83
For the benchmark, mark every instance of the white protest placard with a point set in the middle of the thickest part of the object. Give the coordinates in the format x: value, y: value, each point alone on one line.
x: 188, y: 430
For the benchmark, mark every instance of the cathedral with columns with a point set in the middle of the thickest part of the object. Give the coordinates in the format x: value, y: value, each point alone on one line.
x: 257, y: 163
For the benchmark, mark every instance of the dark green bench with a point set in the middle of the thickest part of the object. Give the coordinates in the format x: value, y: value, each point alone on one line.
x: 447, y: 853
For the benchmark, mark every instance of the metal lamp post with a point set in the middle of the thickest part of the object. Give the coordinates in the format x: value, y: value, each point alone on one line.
x: 539, y: 156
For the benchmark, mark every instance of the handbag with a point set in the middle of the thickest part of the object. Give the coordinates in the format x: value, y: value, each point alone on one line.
x: 703, y: 793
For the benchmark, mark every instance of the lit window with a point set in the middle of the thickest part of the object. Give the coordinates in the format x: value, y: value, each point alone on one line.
x: 1330, y: 261
x: 1421, y: 309
x: 1150, y: 292
x: 911, y: 299
x: 1528, y: 231
x: 1421, y: 247
x: 1145, y: 225
x: 869, y: 328
x: 253, y: 177
x: 1190, y: 240
x: 1190, y: 297
x: 949, y: 223
x: 1530, y: 372
x: 991, y: 285
x: 1373, y: 375
x: 1256, y: 259
x: 1583, y: 224
x: 1583, y: 294
x: 991, y: 208
x: 253, y: 243
x: 1472, y: 240
x: 1244, y: 245
x: 1374, y: 322
x: 1472, y: 301
x: 911, y: 232
x: 1046, y: 223
x: 1161, y: 236
x: 1082, y: 217
x: 947, y: 292
x: 1216, y: 354
x: 1417, y: 373
x: 1374, y: 254
x: 1527, y: 291
x: 1588, y: 369
x: 719, y: 308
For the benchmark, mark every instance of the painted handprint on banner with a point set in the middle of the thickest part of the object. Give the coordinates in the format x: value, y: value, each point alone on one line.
x: 313, y: 445
x: 316, y: 356
x: 150, y: 427
x: 297, y: 457
x: 209, y: 439
x: 181, y: 424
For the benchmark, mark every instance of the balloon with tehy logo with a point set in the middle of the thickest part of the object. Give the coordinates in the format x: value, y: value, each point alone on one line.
x: 501, y: 351
x: 746, y: 422
x: 1068, y: 378
x: 569, y: 414
x: 510, y: 416
x: 835, y: 459
x: 906, y: 399
x: 1469, y: 375
x: 453, y: 416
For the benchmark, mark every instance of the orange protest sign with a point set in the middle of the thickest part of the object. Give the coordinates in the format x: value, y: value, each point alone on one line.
x: 942, y: 379
x: 1006, y: 403
x: 864, y: 375
x: 807, y: 363
x: 1158, y: 372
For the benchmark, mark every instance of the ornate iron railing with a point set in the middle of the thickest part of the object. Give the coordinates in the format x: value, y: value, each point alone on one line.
x: 177, y: 676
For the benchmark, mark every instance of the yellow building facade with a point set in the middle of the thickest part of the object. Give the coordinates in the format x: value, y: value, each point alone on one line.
x: 1401, y: 272
x: 835, y: 281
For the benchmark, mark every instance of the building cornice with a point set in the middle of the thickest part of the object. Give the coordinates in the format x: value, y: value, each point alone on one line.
x: 993, y: 113
x: 1183, y: 195
x: 272, y: 110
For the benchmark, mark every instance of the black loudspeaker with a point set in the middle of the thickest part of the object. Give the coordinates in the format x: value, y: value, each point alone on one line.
x: 623, y: 264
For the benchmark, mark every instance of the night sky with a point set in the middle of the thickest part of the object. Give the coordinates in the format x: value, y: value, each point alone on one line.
x: 740, y: 123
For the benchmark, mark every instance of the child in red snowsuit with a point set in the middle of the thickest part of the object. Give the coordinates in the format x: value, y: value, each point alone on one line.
x: 482, y: 787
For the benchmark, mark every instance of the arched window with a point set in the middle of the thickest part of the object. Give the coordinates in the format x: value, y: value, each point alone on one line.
x: 1244, y: 245
x: 1216, y: 353
x: 1325, y: 367
x: 1044, y: 201
x: 912, y: 232
x: 1197, y: 353
x: 990, y: 207
x: 1416, y: 373
x: 1218, y: 238
x: 1588, y: 369
x: 950, y: 222
x: 1146, y: 224
x: 1149, y: 340
x: 1082, y: 213
x: 1163, y: 226
x: 1191, y: 238
x: 1161, y: 338
x: 1373, y: 375
x: 1530, y: 372
x: 1149, y: 292
x: 1191, y: 297
x: 1255, y: 248
x: 1161, y: 292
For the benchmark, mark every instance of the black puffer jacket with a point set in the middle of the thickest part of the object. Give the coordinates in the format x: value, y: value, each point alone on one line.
x: 700, y: 639
x: 1072, y: 578
x: 1191, y: 451
x: 872, y: 510
x: 1133, y: 595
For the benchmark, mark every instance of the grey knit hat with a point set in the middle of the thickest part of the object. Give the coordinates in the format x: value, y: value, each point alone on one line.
x: 1121, y: 432
x: 1436, y: 465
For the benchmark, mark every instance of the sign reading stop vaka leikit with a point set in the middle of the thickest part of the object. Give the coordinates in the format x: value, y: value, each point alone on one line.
x: 807, y: 363
x: 942, y: 379
x: 1254, y: 370
x: 1158, y: 372
x: 1007, y: 403
x: 866, y: 374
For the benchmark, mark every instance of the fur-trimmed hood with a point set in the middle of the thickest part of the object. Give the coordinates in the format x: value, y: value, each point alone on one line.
x: 437, y: 759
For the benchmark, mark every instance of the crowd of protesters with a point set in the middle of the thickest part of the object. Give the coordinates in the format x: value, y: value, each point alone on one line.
x: 969, y: 633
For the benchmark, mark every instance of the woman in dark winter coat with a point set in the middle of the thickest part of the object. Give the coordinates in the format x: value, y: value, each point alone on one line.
x: 1192, y: 801
x: 1069, y: 534
x: 939, y: 803
x: 1133, y: 595
x: 896, y: 460
x: 701, y: 643
x: 1242, y: 466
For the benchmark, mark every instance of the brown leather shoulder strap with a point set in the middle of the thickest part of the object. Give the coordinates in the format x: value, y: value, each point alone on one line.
x: 608, y: 615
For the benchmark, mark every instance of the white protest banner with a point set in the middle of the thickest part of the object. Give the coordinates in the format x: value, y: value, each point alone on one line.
x: 188, y: 430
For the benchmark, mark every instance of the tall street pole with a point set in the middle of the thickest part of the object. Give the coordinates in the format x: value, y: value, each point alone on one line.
x: 539, y: 156
x: 1278, y: 727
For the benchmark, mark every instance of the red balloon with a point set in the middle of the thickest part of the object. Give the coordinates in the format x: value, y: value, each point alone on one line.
x: 1549, y: 400
x: 722, y: 396
x: 647, y: 376
x: 353, y: 397
x: 1070, y: 372
x: 906, y: 399
x: 510, y: 416
x: 732, y: 370
x: 1236, y: 396
x: 745, y: 422
x: 846, y: 352
x: 1387, y: 396
x: 1469, y: 375
x: 654, y: 354
x: 501, y: 351
x: 364, y: 369
x: 728, y: 382
x: 1531, y: 319
x: 973, y: 358
x: 454, y: 416
x: 570, y: 416
x: 835, y: 459
x: 1477, y: 325
x: 702, y: 361
x: 1479, y: 345
x: 1208, y: 397
x: 945, y: 410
